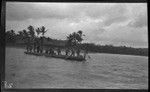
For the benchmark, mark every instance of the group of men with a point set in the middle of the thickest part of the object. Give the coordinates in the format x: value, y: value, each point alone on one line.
x: 55, y: 51
x: 52, y: 51
x: 36, y: 48
x: 58, y: 51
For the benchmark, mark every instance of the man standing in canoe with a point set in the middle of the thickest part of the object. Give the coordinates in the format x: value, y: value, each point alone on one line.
x: 58, y: 51
x: 67, y: 51
x: 73, y: 52
x: 85, y: 53
x: 78, y: 52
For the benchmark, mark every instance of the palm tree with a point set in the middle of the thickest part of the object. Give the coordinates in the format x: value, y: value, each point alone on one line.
x: 43, y: 30
x: 79, y: 36
x: 32, y: 36
x: 71, y: 39
x: 25, y: 33
x: 80, y: 32
x: 12, y: 33
x: 74, y: 39
x: 31, y: 31
x: 38, y: 31
x: 11, y: 36
x: 20, y: 34
x: 25, y: 36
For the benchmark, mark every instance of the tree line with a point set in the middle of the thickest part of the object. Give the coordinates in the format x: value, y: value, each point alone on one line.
x: 73, y: 40
x: 115, y: 49
x: 25, y: 35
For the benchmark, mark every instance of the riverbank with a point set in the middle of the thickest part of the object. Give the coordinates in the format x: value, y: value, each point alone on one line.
x: 22, y: 45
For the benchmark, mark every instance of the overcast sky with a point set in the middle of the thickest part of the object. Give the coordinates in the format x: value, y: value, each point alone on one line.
x: 102, y: 23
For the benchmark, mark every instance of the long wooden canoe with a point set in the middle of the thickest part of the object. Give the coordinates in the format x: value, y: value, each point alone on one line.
x: 57, y: 56
x: 32, y: 53
x: 75, y: 58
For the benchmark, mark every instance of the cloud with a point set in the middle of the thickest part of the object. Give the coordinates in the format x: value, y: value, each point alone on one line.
x: 121, y: 34
x: 139, y: 21
x: 138, y: 15
x: 23, y: 11
x: 107, y: 23
x: 109, y: 13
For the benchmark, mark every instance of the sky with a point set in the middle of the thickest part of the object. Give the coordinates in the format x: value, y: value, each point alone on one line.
x: 118, y: 24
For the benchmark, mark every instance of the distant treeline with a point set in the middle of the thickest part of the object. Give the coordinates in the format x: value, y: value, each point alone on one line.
x: 115, y: 49
x: 12, y: 38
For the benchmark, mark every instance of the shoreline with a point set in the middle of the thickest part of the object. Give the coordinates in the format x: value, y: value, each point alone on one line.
x: 15, y: 46
x: 23, y: 47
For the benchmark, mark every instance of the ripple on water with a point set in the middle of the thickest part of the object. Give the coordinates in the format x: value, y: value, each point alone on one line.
x: 100, y: 71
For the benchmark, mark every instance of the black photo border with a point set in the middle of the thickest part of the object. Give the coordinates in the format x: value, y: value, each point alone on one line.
x: 2, y: 47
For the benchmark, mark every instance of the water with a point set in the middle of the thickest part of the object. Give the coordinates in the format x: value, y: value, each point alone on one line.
x: 102, y: 71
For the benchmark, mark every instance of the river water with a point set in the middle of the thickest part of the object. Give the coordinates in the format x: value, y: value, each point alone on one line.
x: 101, y: 71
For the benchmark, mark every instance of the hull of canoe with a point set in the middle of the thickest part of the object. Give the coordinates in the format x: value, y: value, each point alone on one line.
x: 36, y: 54
x: 75, y: 58
x: 57, y: 56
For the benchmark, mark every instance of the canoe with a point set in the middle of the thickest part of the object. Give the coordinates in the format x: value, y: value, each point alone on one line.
x: 75, y: 58
x: 32, y: 53
x: 66, y: 57
x: 57, y: 56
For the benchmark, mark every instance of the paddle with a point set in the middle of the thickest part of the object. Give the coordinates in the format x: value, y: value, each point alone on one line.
x: 89, y: 57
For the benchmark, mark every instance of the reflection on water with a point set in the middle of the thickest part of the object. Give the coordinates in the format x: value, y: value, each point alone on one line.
x: 99, y: 71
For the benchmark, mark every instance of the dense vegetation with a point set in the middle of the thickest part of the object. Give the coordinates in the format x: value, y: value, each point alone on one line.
x: 115, y: 49
x: 73, y: 40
